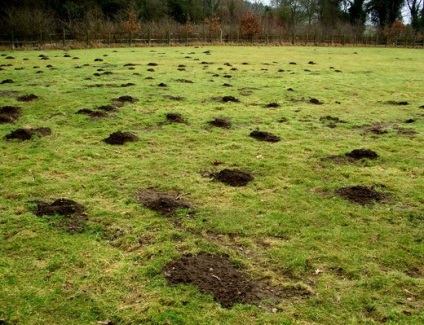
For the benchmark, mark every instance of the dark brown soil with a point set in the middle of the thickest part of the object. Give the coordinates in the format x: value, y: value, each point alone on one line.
x: 360, y: 194
x: 107, y: 108
x: 410, y: 120
x: 27, y: 134
x: 165, y: 203
x: 401, y: 103
x: 233, y: 177
x: 362, y: 153
x: 227, y: 85
x: 226, y: 99
x: 9, y: 114
x: 378, y: 128
x: 91, y: 113
x: 7, y: 81
x: 315, y: 101
x: 264, y: 136
x: 128, y: 84
x: 331, y: 119
x: 27, y: 98
x: 221, y: 122
x: 311, y: 62
x: 175, y: 118
x: 152, y: 64
x: 272, y: 105
x: 73, y: 213
x: 127, y: 99
x: 214, y: 275
x: 162, y: 85
x: 120, y: 138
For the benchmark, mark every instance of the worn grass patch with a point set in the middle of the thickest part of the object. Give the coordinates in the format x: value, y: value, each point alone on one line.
x: 162, y: 200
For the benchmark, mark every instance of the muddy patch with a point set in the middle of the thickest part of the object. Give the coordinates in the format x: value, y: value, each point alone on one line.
x: 233, y: 177
x: 164, y: 203
x: 227, y: 99
x: 362, y: 154
x: 218, y: 276
x: 360, y: 194
x: 27, y: 98
x: 264, y: 136
x: 175, y: 118
x: 221, y: 122
x: 120, y: 138
x: 9, y: 114
x: 72, y: 214
x: 27, y: 134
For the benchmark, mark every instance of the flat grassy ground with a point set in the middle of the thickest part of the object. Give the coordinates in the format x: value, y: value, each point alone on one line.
x: 288, y: 228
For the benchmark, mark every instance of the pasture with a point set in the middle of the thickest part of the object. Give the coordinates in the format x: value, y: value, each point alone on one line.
x: 212, y: 185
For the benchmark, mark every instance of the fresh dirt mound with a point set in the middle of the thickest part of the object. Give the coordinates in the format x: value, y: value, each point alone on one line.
x: 127, y: 99
x: 401, y: 103
x: 119, y: 138
x: 7, y: 81
x: 107, y: 108
x: 27, y: 134
x: 162, y: 85
x: 331, y: 119
x: 221, y: 122
x: 215, y: 275
x: 264, y: 136
x: 9, y: 114
x: 272, y: 105
x: 315, y: 101
x: 91, y: 113
x: 27, y: 98
x: 164, y: 203
x: 362, y: 153
x: 360, y: 194
x: 73, y: 214
x: 227, y: 99
x: 233, y: 177
x: 175, y: 118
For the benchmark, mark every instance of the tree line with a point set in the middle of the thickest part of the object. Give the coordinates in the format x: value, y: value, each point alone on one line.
x: 214, y: 17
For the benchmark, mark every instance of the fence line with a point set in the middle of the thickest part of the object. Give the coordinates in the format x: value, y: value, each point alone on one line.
x: 144, y: 39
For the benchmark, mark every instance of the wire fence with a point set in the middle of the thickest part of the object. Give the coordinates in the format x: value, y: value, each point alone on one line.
x: 89, y: 39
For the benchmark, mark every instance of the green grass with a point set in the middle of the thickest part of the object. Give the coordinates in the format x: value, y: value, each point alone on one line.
x: 282, y: 227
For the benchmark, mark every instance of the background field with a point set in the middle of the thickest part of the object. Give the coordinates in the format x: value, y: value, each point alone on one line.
x: 288, y: 228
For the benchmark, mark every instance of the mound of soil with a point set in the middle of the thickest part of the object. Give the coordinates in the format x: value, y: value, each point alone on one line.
x: 175, y: 118
x: 184, y: 81
x: 272, y: 105
x: 360, y: 194
x: 331, y: 119
x: 233, y: 177
x: 9, y: 114
x: 73, y: 213
x: 410, y: 120
x: 63, y: 207
x: 264, y: 136
x: 7, y: 81
x: 311, y: 62
x: 362, y: 153
x: 91, y: 113
x: 226, y: 99
x: 27, y: 98
x: 27, y: 134
x: 162, y: 85
x: 221, y: 122
x: 226, y: 85
x: 126, y: 99
x: 165, y: 203
x: 401, y: 103
x: 152, y: 64
x: 315, y: 101
x: 214, y: 275
x: 128, y: 84
x: 119, y: 138
x: 107, y: 108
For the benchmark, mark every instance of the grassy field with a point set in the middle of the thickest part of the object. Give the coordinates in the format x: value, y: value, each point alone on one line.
x: 332, y: 261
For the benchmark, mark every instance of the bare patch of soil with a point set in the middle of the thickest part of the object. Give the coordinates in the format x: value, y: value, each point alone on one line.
x: 27, y: 134
x: 120, y: 138
x: 175, y: 118
x: 73, y: 213
x: 165, y: 203
x: 27, y: 98
x: 360, y: 194
x: 377, y: 128
x: 126, y: 99
x: 227, y: 99
x: 331, y: 119
x: 362, y: 153
x: 264, y: 136
x: 315, y: 101
x: 7, y: 81
x: 401, y: 103
x: 9, y: 114
x: 233, y: 177
x: 221, y: 122
x: 272, y: 105
x: 91, y: 113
